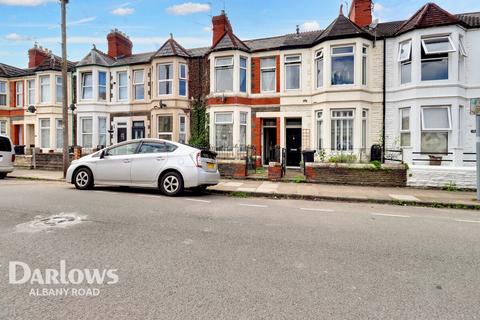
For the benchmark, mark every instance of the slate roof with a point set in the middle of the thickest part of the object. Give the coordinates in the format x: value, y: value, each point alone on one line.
x: 472, y: 19
x: 7, y: 71
x: 230, y: 41
x: 54, y: 63
x: 96, y: 57
x: 342, y: 27
x: 171, y: 48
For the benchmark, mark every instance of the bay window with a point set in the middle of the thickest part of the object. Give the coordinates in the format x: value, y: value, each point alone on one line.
x: 165, y: 79
x: 58, y: 133
x: 342, y: 130
x: 3, y: 93
x: 293, y: 63
x: 102, y: 131
x: 405, y: 60
x: 319, y: 68
x: 19, y: 93
x: 268, y: 74
x: 45, y: 133
x: 45, y: 89
x: 165, y: 127
x: 102, y: 86
x: 182, y: 136
x: 364, y: 65
x: 224, y: 74
x: 31, y: 92
x: 405, y: 135
x: 58, y: 89
x: 243, y: 130
x: 182, y: 80
x: 436, y: 124
x: 319, y: 117
x: 87, y: 86
x: 243, y: 74
x: 343, y: 65
x: 122, y: 86
x: 86, y: 133
x: 138, y: 85
x: 435, y: 53
x: 224, y: 131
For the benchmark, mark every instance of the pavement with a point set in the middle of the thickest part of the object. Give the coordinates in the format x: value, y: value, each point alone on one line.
x: 210, y: 256
x: 310, y: 191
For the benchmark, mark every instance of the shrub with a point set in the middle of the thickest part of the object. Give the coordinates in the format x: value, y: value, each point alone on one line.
x: 343, y: 158
x: 377, y: 164
x: 450, y: 186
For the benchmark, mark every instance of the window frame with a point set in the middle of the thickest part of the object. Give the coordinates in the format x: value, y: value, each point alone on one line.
x: 243, y: 123
x: 184, y: 131
x: 83, y: 133
x: 167, y: 80
x: 5, y: 93
x: 44, y: 128
x: 364, y: 65
x: 58, y: 129
x: 136, y: 84
x: 400, y: 126
x: 83, y: 86
x: 427, y: 52
x: 341, y: 118
x: 268, y: 70
x: 99, y: 85
x: 122, y: 87
x: 243, y: 70
x: 57, y: 86
x: 339, y: 55
x: 224, y: 123
x: 319, y: 56
x: 293, y: 63
x: 19, y: 94
x: 400, y: 47
x: 224, y: 67
x: 44, y: 99
x: 165, y: 133
x: 180, y: 79
x: 449, y: 116
x: 100, y: 133
x: 365, y: 126
x: 31, y: 91
x: 3, y: 127
x: 320, y: 126
x: 461, y: 46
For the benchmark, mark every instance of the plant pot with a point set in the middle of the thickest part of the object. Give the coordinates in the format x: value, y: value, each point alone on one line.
x: 435, y: 160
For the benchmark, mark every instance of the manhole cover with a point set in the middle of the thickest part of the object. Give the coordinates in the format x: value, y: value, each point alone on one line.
x: 61, y: 220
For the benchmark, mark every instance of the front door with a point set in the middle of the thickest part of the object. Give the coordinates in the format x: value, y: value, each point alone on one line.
x: 269, y: 143
x: 294, y: 145
x: 121, y: 134
x: 138, y: 130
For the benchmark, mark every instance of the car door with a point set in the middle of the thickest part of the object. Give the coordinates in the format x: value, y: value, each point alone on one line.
x: 115, y: 166
x: 149, y: 161
x: 6, y: 151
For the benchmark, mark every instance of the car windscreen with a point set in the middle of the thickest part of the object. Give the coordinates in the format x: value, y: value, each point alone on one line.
x: 5, y: 145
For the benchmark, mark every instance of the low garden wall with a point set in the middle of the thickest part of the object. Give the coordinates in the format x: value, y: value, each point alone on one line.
x: 232, y: 168
x: 357, y: 174
x: 442, y: 177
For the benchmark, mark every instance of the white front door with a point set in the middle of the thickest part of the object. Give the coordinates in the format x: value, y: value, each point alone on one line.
x: 115, y: 167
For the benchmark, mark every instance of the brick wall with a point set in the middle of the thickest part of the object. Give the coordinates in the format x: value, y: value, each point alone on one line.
x: 199, y: 77
x: 256, y: 87
x: 232, y: 168
x: 360, y: 174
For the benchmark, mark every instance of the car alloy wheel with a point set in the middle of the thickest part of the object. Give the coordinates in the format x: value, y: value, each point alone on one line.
x: 83, y: 179
x: 171, y: 184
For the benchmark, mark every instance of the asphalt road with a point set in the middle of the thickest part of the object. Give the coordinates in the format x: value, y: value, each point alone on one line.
x: 217, y: 257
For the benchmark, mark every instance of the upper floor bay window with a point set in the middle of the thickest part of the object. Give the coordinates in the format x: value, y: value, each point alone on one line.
x: 182, y: 80
x: 3, y: 93
x: 45, y: 89
x: 405, y: 127
x: 461, y: 58
x: 165, y: 127
x: 405, y: 60
x: 293, y: 63
x: 436, y: 124
x: 268, y: 74
x: 87, y: 86
x: 138, y: 85
x: 31, y: 92
x: 19, y: 93
x: 224, y: 131
x: 224, y: 74
x: 343, y: 65
x: 319, y: 116
x: 319, y: 68
x: 435, y: 52
x: 342, y: 130
x: 122, y: 85
x: 243, y: 74
x: 165, y: 79
x: 364, y: 65
x: 102, y: 86
x: 58, y: 89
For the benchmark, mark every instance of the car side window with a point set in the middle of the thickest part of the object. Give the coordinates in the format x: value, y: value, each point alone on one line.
x: 5, y: 145
x: 156, y: 147
x: 124, y: 149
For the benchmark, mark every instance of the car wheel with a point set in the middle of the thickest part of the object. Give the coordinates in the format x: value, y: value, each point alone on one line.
x: 171, y: 184
x: 83, y: 179
x: 3, y: 175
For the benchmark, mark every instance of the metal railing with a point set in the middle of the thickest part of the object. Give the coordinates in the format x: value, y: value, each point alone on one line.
x: 394, y: 155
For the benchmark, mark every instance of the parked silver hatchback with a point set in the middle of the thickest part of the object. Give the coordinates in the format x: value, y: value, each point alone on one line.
x: 7, y: 156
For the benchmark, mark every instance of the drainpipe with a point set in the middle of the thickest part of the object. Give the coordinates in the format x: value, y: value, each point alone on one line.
x: 72, y: 88
x: 384, y: 94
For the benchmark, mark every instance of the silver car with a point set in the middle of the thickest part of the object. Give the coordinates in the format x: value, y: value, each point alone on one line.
x: 7, y: 156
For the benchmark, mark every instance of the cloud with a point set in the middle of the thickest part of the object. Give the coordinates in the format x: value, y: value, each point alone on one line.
x: 17, y: 37
x: 123, y: 11
x: 310, y: 26
x: 207, y: 29
x: 188, y: 8
x: 25, y: 3
x: 81, y: 21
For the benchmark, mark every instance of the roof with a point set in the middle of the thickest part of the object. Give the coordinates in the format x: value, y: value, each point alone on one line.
x: 7, y: 71
x: 171, y: 48
x: 230, y: 41
x: 96, y: 57
x: 472, y: 19
x: 342, y: 27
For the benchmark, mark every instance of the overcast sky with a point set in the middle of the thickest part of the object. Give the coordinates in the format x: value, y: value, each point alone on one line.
x: 149, y: 22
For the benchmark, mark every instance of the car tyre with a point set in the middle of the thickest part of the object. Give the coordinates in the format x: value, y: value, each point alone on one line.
x: 83, y: 179
x: 171, y: 184
x: 3, y: 175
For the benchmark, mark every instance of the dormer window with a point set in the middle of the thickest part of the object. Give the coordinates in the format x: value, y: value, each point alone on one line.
x: 343, y: 65
x: 165, y: 79
x: 435, y: 53
x: 87, y: 86
x: 319, y: 68
x: 405, y: 59
x: 224, y: 74
x: 293, y: 65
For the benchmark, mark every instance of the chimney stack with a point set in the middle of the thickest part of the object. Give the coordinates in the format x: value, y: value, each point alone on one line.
x: 220, y: 25
x: 37, y: 55
x: 361, y: 12
x: 119, y: 45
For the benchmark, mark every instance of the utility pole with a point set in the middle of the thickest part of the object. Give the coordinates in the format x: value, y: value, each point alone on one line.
x: 66, y: 159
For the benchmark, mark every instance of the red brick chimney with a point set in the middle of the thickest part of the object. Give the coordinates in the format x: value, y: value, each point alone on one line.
x: 220, y: 25
x: 119, y: 45
x: 37, y: 55
x: 361, y: 12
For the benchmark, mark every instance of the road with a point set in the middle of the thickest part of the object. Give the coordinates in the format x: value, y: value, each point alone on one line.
x: 218, y: 257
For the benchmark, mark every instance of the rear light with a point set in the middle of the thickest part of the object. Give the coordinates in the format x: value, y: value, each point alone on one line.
x: 198, y: 162
x: 13, y: 157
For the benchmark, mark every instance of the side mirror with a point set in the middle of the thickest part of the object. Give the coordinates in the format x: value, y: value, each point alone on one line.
x: 102, y: 154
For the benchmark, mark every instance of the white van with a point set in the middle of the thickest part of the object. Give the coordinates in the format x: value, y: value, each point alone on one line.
x: 7, y: 156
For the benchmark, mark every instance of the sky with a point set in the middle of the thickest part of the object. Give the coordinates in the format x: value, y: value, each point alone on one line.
x: 149, y: 22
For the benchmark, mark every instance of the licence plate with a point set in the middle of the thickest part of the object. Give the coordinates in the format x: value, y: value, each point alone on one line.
x: 210, y: 165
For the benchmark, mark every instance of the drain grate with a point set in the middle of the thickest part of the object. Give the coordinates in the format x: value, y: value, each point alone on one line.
x: 61, y: 220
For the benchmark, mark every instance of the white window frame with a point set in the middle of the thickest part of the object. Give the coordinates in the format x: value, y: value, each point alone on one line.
x: 83, y: 134
x: 3, y: 127
x: 337, y: 118
x: 57, y: 87
x: 44, y: 128
x: 31, y: 91
x: 120, y: 87
x: 268, y: 69
x: 336, y: 55
x: 166, y: 79
x: 243, y: 123
x: 182, y: 132
x: 408, y: 51
x: 136, y: 84
x: 365, y: 126
x: 58, y: 129
x: 293, y: 62
x: 82, y: 80
x: 230, y: 122
x: 400, y: 125
x: 461, y: 46
x: 320, y: 125
x: 19, y: 94
x: 4, y: 93
x: 364, y: 65
x: 185, y: 78
x: 100, y: 133
x: 319, y: 56
x: 165, y: 133
x: 42, y: 85
x: 427, y: 52
x: 449, y: 128
x: 243, y: 69
x: 101, y: 85
x: 219, y: 66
